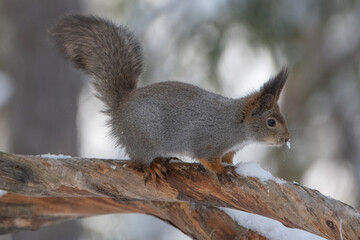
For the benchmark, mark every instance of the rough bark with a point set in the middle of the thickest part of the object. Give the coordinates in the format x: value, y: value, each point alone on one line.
x: 293, y: 205
x: 19, y: 212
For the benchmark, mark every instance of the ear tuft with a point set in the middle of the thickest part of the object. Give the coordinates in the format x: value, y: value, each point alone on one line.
x: 276, y: 84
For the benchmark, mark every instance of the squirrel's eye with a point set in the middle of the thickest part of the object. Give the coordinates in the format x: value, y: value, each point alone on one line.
x: 271, y: 122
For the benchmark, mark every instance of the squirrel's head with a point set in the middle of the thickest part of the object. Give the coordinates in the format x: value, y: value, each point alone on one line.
x: 262, y: 116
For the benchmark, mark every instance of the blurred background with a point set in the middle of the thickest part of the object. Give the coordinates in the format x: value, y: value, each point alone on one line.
x: 225, y: 46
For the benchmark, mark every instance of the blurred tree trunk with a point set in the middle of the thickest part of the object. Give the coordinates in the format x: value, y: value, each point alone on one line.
x: 44, y: 106
x: 46, y: 89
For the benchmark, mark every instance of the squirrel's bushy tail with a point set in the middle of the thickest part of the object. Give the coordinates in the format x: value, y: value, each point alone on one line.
x: 97, y: 46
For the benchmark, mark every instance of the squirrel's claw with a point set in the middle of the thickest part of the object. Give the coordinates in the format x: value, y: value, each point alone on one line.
x: 157, y: 169
x: 224, y: 178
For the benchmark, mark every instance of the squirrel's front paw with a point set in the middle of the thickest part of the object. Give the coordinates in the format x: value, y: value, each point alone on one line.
x: 223, y: 173
x: 157, y: 169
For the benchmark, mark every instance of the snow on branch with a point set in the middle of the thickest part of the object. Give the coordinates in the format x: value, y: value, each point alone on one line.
x: 293, y: 205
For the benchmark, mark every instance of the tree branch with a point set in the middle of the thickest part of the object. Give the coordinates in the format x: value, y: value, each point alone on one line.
x: 293, y: 205
x: 20, y: 212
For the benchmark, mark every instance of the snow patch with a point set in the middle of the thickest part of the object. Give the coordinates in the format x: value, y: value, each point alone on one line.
x: 2, y: 193
x: 175, y: 161
x: 54, y: 156
x: 252, y: 169
x: 288, y: 144
x: 269, y: 228
x: 341, y: 236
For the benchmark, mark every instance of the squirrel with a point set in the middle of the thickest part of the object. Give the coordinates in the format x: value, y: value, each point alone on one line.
x: 158, y: 121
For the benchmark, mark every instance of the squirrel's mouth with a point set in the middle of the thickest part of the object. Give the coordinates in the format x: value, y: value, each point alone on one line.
x: 272, y: 142
x: 279, y: 141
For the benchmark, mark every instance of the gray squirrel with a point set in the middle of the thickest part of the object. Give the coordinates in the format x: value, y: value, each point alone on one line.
x: 158, y: 121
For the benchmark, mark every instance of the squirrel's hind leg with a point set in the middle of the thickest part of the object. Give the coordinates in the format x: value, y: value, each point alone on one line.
x: 157, y: 169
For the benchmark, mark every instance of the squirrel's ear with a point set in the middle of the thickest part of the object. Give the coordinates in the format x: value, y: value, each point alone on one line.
x: 275, y: 84
x: 265, y: 102
x: 268, y: 95
x: 257, y: 103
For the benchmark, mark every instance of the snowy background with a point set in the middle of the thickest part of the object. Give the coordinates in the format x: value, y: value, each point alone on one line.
x: 229, y: 47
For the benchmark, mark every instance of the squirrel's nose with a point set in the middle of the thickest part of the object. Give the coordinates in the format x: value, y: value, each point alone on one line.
x: 286, y: 139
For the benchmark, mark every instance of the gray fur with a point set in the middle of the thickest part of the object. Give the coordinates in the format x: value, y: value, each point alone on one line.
x: 177, y: 118
x: 165, y: 118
